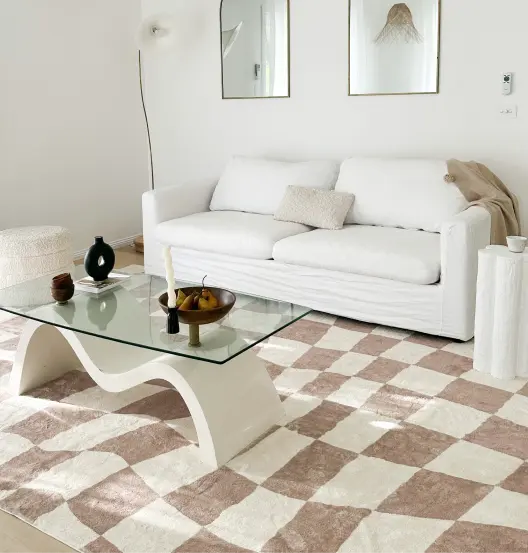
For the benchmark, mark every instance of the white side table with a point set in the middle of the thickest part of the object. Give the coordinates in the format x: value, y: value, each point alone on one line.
x: 501, y: 320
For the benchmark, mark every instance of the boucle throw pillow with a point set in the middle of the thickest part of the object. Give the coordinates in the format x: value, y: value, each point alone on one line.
x: 313, y: 207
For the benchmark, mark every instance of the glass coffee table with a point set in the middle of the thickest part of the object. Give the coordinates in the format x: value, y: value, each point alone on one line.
x: 119, y: 338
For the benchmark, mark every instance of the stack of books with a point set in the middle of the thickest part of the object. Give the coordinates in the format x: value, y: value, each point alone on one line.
x: 88, y: 284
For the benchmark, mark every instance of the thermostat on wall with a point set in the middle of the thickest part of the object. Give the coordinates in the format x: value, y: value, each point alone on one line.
x: 507, y: 79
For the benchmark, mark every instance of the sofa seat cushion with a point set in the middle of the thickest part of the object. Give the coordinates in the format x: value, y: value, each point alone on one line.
x: 390, y: 253
x: 228, y: 232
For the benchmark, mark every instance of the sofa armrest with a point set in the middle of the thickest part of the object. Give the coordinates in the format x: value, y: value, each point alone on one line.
x: 172, y: 202
x: 461, y: 239
x: 165, y: 204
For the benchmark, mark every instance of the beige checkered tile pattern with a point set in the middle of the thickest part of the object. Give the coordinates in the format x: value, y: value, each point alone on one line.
x: 391, y: 442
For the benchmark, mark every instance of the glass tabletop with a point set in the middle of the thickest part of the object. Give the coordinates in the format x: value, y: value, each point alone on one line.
x: 130, y: 314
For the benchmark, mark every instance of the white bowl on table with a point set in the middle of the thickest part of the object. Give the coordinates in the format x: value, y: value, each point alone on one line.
x: 516, y: 244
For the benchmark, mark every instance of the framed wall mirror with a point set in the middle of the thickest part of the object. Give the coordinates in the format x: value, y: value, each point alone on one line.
x: 394, y: 47
x: 255, y: 48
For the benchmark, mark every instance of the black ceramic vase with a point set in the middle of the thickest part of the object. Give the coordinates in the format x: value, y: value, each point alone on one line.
x: 99, y: 260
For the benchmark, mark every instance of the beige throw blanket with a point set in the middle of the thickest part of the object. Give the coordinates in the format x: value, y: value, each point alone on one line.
x: 481, y: 187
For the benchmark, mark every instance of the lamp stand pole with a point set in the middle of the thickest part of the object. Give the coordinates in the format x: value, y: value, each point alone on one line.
x: 138, y: 242
x: 140, y: 66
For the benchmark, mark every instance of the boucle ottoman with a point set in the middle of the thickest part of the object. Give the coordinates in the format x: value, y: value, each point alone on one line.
x: 27, y: 253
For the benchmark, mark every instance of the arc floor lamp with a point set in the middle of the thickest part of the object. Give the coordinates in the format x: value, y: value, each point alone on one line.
x: 156, y: 33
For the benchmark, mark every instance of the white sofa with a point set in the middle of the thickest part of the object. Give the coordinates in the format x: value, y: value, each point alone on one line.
x: 406, y: 257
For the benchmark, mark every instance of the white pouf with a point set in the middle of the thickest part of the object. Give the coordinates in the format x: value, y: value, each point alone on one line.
x: 27, y: 253
x: 501, y: 321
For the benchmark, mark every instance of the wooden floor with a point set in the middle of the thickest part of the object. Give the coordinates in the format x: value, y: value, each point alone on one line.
x: 17, y: 536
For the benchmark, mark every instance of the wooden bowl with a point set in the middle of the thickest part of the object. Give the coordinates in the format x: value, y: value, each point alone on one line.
x: 62, y: 288
x: 226, y: 301
x: 63, y: 295
x: 60, y: 282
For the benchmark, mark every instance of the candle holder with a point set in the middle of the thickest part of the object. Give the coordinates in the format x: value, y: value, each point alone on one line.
x: 173, y: 323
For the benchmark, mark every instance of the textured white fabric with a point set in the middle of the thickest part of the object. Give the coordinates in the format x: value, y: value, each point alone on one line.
x: 171, y: 202
x: 407, y: 193
x: 29, y: 241
x: 259, y: 185
x: 397, y: 304
x: 228, y: 232
x: 445, y: 309
x: 317, y: 208
x: 27, y: 253
x: 396, y: 254
x: 462, y: 237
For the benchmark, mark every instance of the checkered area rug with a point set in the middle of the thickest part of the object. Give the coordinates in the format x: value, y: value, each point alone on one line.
x: 391, y: 442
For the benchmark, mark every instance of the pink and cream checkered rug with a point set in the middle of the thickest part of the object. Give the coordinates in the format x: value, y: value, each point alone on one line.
x: 391, y: 443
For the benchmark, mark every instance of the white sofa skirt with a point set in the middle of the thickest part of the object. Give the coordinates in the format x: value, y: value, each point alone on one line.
x: 380, y: 301
x: 445, y: 309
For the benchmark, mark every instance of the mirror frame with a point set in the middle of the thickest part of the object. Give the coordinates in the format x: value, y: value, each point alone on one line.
x: 289, y: 64
x: 437, y: 91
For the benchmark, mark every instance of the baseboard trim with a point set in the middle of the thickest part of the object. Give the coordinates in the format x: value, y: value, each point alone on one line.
x: 128, y: 241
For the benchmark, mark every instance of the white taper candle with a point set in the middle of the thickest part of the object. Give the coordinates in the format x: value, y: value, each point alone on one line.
x: 169, y: 272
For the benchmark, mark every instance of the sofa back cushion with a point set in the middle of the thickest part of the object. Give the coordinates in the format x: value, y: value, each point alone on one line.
x: 259, y: 185
x: 406, y: 193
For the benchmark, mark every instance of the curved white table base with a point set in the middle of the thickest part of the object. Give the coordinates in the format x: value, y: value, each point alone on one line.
x: 231, y: 405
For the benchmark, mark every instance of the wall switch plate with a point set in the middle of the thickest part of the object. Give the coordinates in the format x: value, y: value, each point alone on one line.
x: 507, y: 80
x: 509, y: 111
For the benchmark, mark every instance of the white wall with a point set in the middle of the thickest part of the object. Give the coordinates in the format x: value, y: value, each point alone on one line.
x: 72, y: 143
x: 195, y: 130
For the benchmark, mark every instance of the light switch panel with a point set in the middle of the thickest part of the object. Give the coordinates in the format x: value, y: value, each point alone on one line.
x: 509, y: 111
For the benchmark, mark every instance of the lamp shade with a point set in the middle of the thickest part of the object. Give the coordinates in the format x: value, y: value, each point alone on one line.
x: 157, y: 32
x: 229, y: 38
